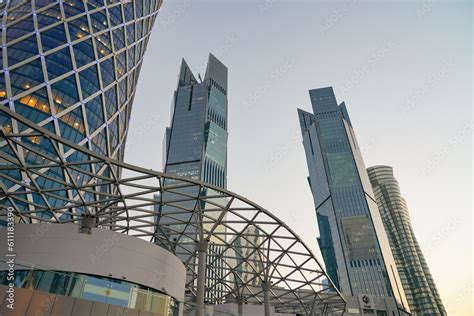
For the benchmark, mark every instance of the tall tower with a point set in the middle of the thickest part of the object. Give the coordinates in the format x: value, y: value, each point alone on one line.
x: 352, y: 238
x: 244, y: 249
x: 422, y: 295
x: 72, y: 68
x: 195, y: 146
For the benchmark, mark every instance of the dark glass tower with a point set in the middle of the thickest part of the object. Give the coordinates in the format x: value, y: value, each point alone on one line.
x: 195, y: 146
x: 422, y: 295
x: 352, y: 238
x: 196, y: 143
x: 72, y: 68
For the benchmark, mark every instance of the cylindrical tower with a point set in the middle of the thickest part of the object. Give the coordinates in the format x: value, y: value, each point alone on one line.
x: 417, y: 281
x: 72, y: 68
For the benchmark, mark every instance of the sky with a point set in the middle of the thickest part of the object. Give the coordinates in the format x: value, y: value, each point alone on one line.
x: 404, y: 69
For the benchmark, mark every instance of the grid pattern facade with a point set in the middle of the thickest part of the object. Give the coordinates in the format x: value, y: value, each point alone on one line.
x: 422, y: 294
x: 352, y: 239
x: 72, y: 68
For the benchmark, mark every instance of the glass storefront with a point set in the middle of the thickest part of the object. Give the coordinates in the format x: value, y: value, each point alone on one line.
x: 94, y: 288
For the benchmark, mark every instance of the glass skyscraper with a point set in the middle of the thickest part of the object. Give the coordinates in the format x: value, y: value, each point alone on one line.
x: 72, y: 68
x: 195, y: 146
x: 352, y: 238
x: 422, y: 295
x: 246, y: 268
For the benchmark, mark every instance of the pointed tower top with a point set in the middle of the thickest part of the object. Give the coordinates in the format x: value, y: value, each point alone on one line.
x: 186, y: 76
x: 216, y: 71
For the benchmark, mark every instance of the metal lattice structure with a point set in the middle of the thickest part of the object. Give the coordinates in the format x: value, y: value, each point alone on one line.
x: 263, y: 256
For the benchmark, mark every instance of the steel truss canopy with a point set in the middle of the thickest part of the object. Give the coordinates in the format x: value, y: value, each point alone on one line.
x: 250, y: 251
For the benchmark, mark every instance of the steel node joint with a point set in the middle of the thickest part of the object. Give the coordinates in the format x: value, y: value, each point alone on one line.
x: 266, y: 286
x: 203, y: 245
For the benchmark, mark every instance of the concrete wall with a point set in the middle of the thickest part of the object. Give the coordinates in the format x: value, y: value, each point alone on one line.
x: 60, y: 247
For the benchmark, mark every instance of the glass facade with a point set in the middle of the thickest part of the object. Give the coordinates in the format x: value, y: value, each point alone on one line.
x: 248, y: 258
x: 196, y: 142
x: 71, y: 67
x: 195, y: 146
x: 422, y: 294
x: 94, y: 288
x: 352, y: 239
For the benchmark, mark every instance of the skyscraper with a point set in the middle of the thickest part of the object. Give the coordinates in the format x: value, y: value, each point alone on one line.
x: 72, y: 68
x: 195, y: 146
x: 243, y: 247
x: 352, y: 238
x: 422, y: 295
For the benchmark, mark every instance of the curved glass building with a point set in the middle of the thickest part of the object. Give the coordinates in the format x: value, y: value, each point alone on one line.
x: 71, y: 67
x: 417, y: 281
x: 101, y: 273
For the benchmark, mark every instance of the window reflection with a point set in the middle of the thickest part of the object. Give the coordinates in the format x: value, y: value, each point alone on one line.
x: 94, y: 288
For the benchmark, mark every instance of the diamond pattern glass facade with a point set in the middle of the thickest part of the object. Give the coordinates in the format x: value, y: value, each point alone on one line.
x: 352, y: 238
x: 417, y: 281
x: 71, y: 67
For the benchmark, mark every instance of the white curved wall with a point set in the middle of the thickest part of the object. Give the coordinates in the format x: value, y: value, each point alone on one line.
x: 61, y: 247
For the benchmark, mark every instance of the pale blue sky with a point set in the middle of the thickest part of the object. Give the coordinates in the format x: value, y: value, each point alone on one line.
x: 404, y: 70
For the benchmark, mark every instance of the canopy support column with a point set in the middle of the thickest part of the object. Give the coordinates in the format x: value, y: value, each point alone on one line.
x: 266, y: 297
x: 201, y: 277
